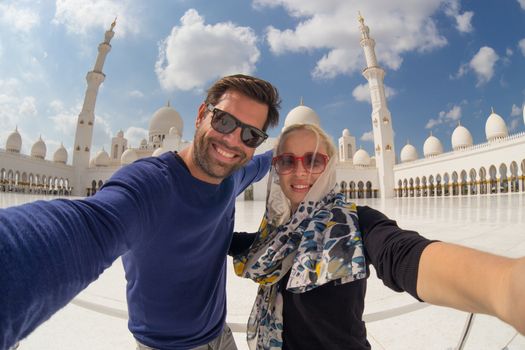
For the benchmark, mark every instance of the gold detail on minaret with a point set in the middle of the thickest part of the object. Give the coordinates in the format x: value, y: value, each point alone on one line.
x: 114, y: 23
x: 301, y: 102
x: 385, y: 120
x: 388, y: 147
x: 360, y: 18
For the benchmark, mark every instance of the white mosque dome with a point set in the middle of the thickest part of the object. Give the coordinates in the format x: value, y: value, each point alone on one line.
x: 39, y: 149
x: 301, y: 115
x: 143, y: 142
x: 361, y: 158
x: 60, y: 155
x: 14, y: 142
x: 102, y: 158
x: 159, y: 151
x: 164, y: 119
x: 461, y: 138
x: 128, y: 157
x: 173, y: 131
x: 432, y: 147
x: 346, y: 132
x: 495, y: 127
x: 408, y: 153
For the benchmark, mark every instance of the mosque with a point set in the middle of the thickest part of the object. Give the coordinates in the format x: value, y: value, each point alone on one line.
x: 496, y: 166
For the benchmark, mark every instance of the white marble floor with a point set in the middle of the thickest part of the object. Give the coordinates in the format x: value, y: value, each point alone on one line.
x: 96, y: 318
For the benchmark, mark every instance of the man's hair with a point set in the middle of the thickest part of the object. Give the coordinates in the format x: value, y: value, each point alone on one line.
x: 316, y: 130
x: 255, y: 88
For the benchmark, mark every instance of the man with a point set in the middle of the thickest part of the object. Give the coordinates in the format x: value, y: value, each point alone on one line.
x: 170, y: 217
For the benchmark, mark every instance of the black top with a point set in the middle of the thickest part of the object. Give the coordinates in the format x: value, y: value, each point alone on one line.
x: 330, y: 317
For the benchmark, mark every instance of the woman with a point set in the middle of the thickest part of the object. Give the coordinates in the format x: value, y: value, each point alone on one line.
x: 312, y: 250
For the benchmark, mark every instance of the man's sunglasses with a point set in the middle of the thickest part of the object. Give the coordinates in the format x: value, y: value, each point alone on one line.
x: 313, y: 163
x: 225, y: 123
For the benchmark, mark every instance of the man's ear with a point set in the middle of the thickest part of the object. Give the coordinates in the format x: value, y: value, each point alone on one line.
x: 201, y: 115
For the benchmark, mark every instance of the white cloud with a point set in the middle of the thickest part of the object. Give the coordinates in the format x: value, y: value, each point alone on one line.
x: 521, y: 45
x: 80, y: 17
x: 27, y: 107
x: 514, y: 124
x: 445, y: 117
x: 135, y: 135
x: 367, y: 136
x: 195, y: 53
x: 361, y: 93
x: 331, y: 26
x: 522, y: 4
x: 509, y: 52
x: 17, y: 18
x: 463, y: 20
x: 136, y: 93
x: 11, y: 100
x: 516, y: 111
x: 483, y: 64
x: 56, y: 105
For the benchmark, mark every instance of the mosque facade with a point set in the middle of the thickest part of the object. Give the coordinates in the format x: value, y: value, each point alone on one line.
x: 496, y: 166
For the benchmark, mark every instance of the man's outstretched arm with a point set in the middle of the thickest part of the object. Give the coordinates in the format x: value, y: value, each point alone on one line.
x: 51, y: 250
x: 473, y: 281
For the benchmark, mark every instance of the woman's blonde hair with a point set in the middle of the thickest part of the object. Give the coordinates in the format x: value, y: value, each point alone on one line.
x: 319, y: 133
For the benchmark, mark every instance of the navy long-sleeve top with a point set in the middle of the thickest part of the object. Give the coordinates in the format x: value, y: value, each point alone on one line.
x: 172, y: 229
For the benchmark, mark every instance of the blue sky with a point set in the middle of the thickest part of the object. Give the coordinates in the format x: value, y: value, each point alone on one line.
x: 446, y: 61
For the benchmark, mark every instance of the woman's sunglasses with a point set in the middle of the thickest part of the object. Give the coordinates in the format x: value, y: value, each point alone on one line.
x: 225, y: 123
x: 313, y: 163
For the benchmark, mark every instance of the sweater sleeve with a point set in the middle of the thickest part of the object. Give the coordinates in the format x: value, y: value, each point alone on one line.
x: 394, y: 252
x: 51, y: 250
x: 254, y: 171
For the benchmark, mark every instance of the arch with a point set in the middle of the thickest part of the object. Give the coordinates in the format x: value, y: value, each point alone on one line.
x: 248, y: 193
x: 411, y: 187
x: 352, y: 189
x: 399, y: 188
x: 418, y: 187
x: 360, y: 189
x: 464, y: 183
x: 343, y: 189
x: 514, y: 177
x: 493, y: 180
x: 368, y: 189
x: 405, y: 188
x: 439, y: 186
x: 503, y: 180
x: 93, y: 187
x: 424, y: 186
x: 455, y: 186
x: 522, y: 166
x: 100, y: 184
x: 473, y: 182
x: 431, y: 187
x: 482, y: 180
x: 446, y: 184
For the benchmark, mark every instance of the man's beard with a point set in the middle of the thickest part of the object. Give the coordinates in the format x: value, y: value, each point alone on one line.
x: 213, y: 167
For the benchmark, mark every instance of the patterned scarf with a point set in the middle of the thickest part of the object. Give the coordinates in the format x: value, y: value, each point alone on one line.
x: 320, y: 242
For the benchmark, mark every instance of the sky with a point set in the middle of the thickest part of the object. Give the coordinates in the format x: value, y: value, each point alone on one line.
x: 446, y: 61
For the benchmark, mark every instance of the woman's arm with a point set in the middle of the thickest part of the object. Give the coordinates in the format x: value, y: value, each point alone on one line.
x: 241, y: 241
x: 473, y: 281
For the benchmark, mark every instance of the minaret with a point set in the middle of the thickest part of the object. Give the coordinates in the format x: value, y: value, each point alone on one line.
x: 381, y: 119
x: 86, y: 118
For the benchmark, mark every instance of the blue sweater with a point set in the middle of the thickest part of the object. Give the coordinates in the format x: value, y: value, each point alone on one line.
x: 173, y: 230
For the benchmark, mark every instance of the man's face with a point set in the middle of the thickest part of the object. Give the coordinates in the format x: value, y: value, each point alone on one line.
x: 218, y: 155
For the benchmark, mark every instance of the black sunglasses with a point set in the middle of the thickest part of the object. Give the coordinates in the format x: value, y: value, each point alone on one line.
x: 225, y: 123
